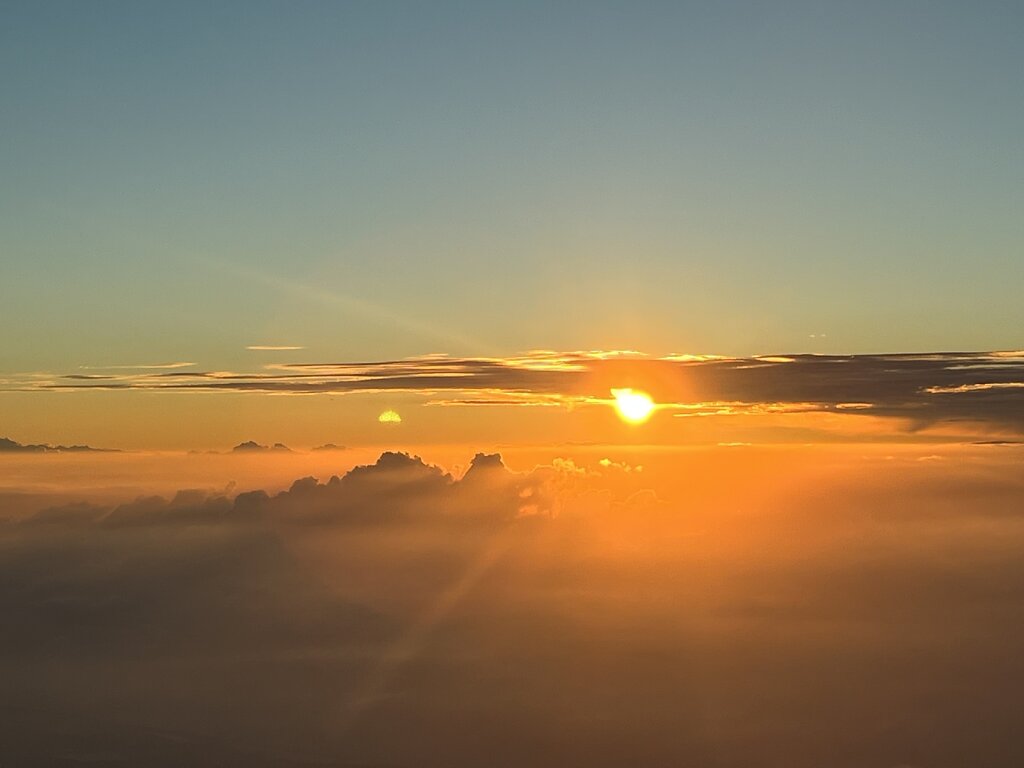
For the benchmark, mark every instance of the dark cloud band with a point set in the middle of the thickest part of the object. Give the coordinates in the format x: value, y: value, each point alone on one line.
x: 924, y: 388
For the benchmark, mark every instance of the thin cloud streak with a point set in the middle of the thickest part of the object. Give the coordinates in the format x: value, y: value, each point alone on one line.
x: 143, y: 367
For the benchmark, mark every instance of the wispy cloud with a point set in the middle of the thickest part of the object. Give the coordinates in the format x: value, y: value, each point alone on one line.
x: 273, y: 347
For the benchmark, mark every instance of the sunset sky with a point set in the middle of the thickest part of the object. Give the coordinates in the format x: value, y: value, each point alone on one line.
x: 369, y: 182
x: 552, y: 383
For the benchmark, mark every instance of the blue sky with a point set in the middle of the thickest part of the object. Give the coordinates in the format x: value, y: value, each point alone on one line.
x: 181, y: 180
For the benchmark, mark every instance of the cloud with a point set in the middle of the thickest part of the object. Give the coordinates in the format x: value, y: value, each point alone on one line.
x: 922, y: 389
x: 273, y: 348
x: 10, y: 446
x: 397, y: 487
x: 759, y: 620
x: 620, y: 465
x: 251, y: 446
x: 142, y: 367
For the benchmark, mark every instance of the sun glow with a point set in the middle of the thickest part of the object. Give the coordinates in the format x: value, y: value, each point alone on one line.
x: 633, y: 406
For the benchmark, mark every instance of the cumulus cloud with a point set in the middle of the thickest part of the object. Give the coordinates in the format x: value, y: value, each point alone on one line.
x: 397, y: 488
x: 621, y: 466
x: 923, y: 389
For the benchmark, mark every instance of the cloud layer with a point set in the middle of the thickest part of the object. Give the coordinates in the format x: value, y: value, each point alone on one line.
x: 789, y: 608
x: 923, y: 389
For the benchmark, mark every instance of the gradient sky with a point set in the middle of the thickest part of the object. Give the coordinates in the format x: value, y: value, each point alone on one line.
x: 369, y: 181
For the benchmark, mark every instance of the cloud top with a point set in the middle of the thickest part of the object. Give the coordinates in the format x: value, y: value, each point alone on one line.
x: 397, y: 487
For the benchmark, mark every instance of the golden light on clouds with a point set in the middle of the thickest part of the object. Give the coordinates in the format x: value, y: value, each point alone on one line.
x: 633, y: 405
x: 389, y: 417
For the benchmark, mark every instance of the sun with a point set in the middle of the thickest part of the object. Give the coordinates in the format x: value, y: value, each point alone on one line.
x: 633, y: 405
